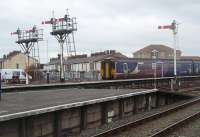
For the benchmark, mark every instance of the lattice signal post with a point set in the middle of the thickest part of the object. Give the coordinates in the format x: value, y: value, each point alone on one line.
x: 63, y: 29
x: 27, y: 39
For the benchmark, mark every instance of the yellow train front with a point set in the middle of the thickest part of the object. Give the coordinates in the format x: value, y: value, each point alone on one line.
x: 107, y: 69
x: 117, y: 69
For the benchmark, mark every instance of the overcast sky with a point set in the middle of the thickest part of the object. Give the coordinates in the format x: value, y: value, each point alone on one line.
x: 123, y: 25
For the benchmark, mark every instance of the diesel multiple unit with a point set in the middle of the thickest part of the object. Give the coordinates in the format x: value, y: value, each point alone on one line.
x: 146, y: 68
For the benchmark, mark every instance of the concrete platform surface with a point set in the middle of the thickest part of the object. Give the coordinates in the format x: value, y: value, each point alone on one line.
x: 21, y: 104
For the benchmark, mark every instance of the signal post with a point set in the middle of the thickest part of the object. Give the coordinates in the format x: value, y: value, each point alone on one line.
x: 27, y: 39
x: 63, y: 30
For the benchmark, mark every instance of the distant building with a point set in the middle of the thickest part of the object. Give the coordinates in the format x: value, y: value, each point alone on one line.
x: 197, y: 58
x: 53, y: 65
x: 1, y: 63
x: 88, y: 68
x: 91, y: 63
x: 83, y: 67
x: 160, y: 51
x: 16, y: 60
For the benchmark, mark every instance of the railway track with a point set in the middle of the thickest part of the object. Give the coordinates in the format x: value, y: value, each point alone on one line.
x: 159, y: 124
x: 180, y: 123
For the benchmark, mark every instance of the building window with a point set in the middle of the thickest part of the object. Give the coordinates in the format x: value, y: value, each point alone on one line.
x: 17, y: 66
x: 154, y: 54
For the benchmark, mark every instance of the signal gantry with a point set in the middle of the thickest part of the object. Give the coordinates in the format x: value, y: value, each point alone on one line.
x: 27, y: 39
x: 63, y: 29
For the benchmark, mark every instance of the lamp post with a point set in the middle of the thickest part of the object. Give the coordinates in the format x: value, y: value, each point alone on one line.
x: 154, y: 66
x: 162, y: 71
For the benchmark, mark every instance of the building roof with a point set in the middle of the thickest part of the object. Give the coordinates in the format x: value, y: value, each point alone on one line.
x: 158, y: 47
x: 14, y: 53
x: 190, y: 57
x: 94, y: 58
x: 11, y: 54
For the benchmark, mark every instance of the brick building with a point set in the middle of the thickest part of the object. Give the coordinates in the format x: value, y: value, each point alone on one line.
x: 162, y: 52
x: 16, y: 60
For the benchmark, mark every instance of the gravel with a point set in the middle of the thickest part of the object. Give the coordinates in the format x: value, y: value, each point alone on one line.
x: 192, y: 129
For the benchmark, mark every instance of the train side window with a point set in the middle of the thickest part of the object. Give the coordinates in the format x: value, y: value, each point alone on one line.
x: 197, y: 68
x: 140, y: 65
x: 190, y: 69
x: 23, y: 73
x: 125, y: 67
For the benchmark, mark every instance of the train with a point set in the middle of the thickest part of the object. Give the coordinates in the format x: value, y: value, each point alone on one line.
x: 131, y: 68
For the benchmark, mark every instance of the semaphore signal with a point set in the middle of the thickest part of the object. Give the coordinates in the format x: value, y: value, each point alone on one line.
x: 63, y: 29
x: 27, y: 39
x: 174, y: 27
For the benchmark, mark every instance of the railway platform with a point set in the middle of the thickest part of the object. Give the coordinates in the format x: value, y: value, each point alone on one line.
x: 65, y: 112
x: 161, y: 83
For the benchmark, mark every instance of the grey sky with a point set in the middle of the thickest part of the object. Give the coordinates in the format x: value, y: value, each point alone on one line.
x: 123, y: 25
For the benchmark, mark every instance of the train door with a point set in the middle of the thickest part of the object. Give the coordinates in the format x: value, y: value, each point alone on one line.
x: 125, y: 69
x: 107, y: 69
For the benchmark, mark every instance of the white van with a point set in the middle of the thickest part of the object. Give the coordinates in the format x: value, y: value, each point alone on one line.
x: 13, y: 75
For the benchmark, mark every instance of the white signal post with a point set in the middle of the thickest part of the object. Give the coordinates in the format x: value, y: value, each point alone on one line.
x: 175, y: 31
x: 174, y: 28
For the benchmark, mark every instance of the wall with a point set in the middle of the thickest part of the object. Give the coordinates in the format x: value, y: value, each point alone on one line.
x: 72, y: 121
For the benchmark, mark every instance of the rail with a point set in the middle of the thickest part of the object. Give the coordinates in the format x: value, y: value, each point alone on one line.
x: 176, y: 125
x: 150, y: 118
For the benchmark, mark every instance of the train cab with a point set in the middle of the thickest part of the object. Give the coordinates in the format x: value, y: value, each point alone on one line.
x: 107, y: 69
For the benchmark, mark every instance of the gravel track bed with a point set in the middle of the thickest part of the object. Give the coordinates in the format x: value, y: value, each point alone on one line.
x: 192, y: 129
x: 152, y: 127
x: 90, y: 132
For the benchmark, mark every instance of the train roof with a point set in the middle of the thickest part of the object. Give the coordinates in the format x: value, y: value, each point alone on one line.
x: 114, y: 56
x: 147, y: 59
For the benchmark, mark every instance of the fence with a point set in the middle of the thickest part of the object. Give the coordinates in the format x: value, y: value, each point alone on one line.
x: 82, y: 76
